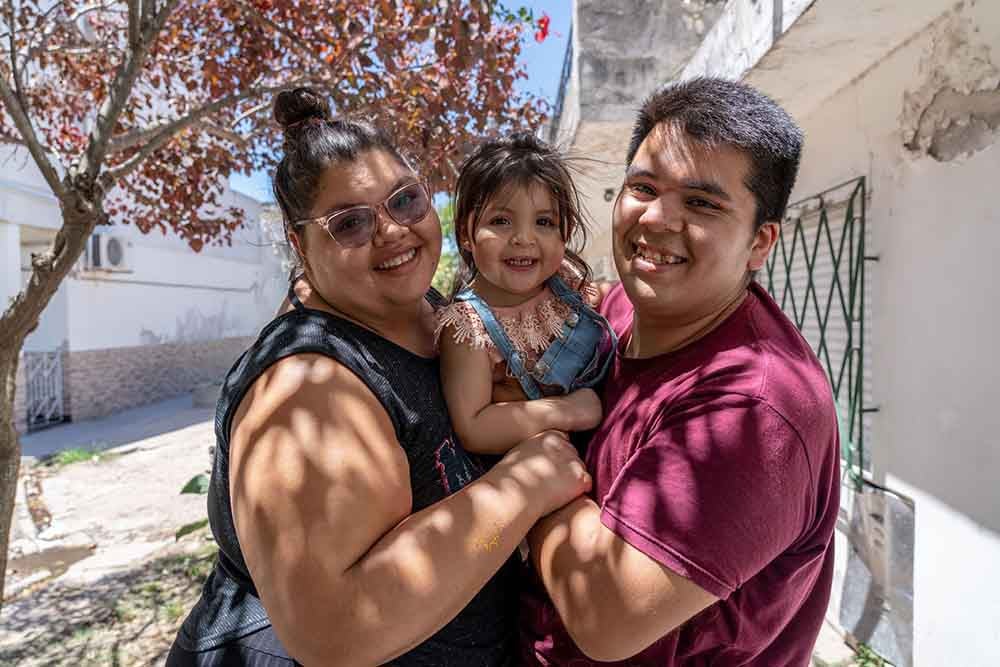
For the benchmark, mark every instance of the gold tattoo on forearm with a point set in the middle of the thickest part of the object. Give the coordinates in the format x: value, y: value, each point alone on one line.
x: 491, y: 542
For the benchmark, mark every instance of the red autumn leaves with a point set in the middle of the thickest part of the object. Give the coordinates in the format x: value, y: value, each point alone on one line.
x: 436, y: 75
x: 542, y: 28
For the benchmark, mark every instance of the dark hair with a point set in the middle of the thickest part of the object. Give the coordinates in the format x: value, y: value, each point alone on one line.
x: 313, y: 142
x: 519, y: 159
x: 716, y: 111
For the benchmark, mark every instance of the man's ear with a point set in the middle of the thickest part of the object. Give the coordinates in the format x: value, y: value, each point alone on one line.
x: 763, y: 241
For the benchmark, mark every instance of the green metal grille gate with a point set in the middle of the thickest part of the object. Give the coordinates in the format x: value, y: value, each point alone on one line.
x: 816, y: 273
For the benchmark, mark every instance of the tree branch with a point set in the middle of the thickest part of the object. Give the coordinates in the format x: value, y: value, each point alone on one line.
x: 225, y: 134
x: 15, y: 107
x: 11, y: 139
x: 134, y: 21
x: 158, y: 137
x: 18, y: 87
x: 119, y: 92
x: 133, y: 138
x: 353, y: 44
x: 253, y: 111
x: 293, y: 39
x: 52, y: 24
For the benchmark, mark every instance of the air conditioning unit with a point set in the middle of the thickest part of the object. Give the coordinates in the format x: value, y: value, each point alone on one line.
x: 106, y: 252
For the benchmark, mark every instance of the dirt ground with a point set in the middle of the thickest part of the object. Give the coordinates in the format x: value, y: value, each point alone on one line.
x: 104, y: 581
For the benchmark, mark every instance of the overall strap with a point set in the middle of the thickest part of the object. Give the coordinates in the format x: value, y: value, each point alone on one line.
x: 514, y: 360
x: 575, y: 300
x: 561, y: 290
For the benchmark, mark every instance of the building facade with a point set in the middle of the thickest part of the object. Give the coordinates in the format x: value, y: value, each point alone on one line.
x: 886, y: 263
x: 140, y: 318
x: 616, y: 54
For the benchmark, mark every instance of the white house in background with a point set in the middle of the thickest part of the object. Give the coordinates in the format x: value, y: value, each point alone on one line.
x: 142, y: 317
x: 888, y: 264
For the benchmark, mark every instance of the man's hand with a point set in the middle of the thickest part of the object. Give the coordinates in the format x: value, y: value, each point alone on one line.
x: 549, y: 468
x: 581, y: 409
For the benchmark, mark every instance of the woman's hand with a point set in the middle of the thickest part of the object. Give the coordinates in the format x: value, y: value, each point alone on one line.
x: 549, y: 470
x: 323, y: 510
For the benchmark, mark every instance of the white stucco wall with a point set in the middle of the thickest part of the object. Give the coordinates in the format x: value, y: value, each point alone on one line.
x: 907, y: 93
x: 602, y: 145
x: 25, y: 197
x: 937, y: 231
x: 170, y: 294
x: 10, y: 262
x: 174, y: 295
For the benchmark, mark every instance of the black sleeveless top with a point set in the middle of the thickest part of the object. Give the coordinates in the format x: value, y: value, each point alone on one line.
x: 409, y: 388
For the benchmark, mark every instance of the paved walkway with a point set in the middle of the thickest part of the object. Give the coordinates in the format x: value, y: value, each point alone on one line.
x: 126, y: 427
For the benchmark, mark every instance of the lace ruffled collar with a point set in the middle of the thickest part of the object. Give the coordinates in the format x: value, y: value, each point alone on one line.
x: 530, y: 326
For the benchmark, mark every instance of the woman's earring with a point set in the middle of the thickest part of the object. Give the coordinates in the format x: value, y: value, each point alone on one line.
x: 296, y: 245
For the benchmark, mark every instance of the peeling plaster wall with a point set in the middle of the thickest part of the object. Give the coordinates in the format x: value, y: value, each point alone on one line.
x: 622, y: 52
x: 956, y: 111
x: 604, y: 144
x: 920, y: 125
x: 628, y: 48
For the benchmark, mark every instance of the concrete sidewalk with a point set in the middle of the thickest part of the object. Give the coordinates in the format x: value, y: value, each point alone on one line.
x: 119, y: 429
x: 830, y: 650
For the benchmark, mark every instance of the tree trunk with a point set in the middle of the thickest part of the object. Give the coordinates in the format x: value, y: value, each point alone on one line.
x: 80, y: 216
x: 10, y: 451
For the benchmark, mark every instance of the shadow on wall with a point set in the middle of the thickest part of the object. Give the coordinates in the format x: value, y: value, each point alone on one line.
x: 197, y: 327
x: 194, y: 327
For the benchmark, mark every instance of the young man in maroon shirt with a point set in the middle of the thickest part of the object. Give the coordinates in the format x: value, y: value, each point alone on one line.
x: 708, y: 539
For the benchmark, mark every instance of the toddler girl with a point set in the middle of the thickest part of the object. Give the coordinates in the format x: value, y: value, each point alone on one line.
x: 520, y: 345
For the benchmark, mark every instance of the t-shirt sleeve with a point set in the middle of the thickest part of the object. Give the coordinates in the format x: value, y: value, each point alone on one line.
x: 617, y: 309
x: 717, y: 491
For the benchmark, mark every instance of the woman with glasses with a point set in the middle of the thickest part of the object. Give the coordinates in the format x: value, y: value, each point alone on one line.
x: 353, y: 529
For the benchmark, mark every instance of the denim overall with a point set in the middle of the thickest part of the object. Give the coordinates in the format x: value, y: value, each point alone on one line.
x: 579, y: 356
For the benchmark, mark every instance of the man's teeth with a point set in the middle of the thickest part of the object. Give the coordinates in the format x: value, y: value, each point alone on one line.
x: 399, y: 259
x: 521, y: 261
x: 656, y: 257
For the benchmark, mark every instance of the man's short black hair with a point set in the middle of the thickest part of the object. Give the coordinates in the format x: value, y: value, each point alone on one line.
x: 716, y: 111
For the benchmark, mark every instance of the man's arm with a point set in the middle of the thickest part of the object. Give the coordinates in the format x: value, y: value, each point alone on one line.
x: 613, y: 599
x: 719, y: 489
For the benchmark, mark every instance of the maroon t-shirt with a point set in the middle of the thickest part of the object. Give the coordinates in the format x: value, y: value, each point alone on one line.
x: 721, y: 462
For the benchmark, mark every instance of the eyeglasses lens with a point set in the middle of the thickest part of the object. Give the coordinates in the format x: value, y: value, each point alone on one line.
x: 409, y: 205
x: 355, y: 227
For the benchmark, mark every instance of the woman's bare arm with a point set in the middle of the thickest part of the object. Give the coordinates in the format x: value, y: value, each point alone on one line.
x: 321, y: 498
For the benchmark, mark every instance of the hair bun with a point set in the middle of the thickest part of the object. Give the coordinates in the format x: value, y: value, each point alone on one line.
x: 293, y: 107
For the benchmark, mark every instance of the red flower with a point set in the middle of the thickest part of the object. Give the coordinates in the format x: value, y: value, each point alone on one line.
x: 543, y: 28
